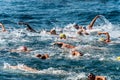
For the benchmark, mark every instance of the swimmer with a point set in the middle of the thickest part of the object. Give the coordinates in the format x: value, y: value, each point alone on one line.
x: 3, y: 28
x: 20, y: 67
x: 62, y: 36
x: 44, y: 56
x: 64, y: 45
x: 107, y: 35
x: 21, y: 49
x: 74, y: 52
x: 82, y: 30
x: 76, y: 26
x: 52, y: 32
x: 91, y: 76
x: 29, y: 28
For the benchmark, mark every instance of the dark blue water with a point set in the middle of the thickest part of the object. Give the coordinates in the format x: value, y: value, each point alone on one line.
x: 48, y: 14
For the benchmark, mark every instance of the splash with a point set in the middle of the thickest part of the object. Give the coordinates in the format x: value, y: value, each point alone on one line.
x: 27, y: 69
x: 79, y: 76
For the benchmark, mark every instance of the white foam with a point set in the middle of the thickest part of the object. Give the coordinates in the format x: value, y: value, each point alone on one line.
x: 79, y: 76
x: 22, y: 67
x: 53, y: 71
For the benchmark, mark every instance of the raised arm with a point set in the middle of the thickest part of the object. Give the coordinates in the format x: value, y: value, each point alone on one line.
x: 92, y: 22
x: 3, y: 28
x: 29, y: 28
x: 107, y: 36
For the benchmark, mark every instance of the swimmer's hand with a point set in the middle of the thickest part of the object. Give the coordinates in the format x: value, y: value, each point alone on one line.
x: 15, y: 50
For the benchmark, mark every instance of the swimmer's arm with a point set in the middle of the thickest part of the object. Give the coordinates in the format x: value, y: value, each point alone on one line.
x: 68, y: 46
x: 99, y: 33
x: 107, y: 35
x: 30, y: 28
x: 3, y: 28
x: 80, y: 32
x: 14, y: 50
x: 27, y: 25
x: 92, y: 22
x: 29, y: 68
x: 13, y: 67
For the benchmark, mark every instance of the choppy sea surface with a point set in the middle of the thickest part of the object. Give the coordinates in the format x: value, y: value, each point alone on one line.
x: 61, y: 15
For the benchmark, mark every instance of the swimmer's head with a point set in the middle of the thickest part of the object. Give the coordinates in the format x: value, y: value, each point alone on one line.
x: 23, y: 48
x: 38, y: 55
x: 76, y: 26
x: 53, y: 31
x: 84, y: 28
x: 45, y: 56
x: 101, y: 39
x: 91, y: 76
x: 62, y: 36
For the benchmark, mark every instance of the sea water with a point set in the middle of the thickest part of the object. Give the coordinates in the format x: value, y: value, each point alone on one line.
x: 99, y: 58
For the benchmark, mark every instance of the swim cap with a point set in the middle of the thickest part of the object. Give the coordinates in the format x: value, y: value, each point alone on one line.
x: 62, y: 36
x: 101, y: 39
x: 118, y: 58
x: 76, y: 26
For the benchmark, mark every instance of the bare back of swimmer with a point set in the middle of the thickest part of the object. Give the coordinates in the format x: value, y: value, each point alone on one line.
x: 20, y: 67
x: 21, y: 49
x: 74, y: 52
